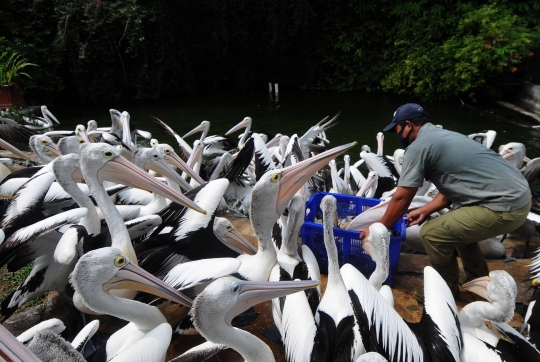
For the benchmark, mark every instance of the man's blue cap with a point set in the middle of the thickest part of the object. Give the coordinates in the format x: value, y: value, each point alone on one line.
x: 406, y: 112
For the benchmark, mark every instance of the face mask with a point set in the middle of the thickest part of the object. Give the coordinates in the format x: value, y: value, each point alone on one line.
x: 405, y: 141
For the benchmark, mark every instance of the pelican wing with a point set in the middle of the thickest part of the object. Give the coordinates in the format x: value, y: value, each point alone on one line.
x: 13, y: 131
x: 186, y: 149
x: 522, y: 349
x: 49, y: 346
x: 130, y: 344
x: 313, y: 271
x: 84, y: 335
x: 263, y: 158
x: 240, y: 163
x: 25, y: 235
x: 135, y: 196
x: 202, y: 352
x: 201, y: 271
x: 299, y: 328
x: 382, y: 329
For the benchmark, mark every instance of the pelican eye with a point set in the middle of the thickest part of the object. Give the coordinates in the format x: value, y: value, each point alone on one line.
x: 108, y: 154
x: 80, y: 141
x: 229, y: 227
x: 45, y: 142
x: 235, y: 289
x: 510, y: 148
x: 167, y: 151
x: 76, y: 160
x: 155, y: 156
x: 275, y: 177
x: 120, y: 261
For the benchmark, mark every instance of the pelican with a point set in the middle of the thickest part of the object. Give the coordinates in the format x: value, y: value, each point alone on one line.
x: 214, y: 309
x: 290, y: 266
x: 309, y: 140
x: 480, y: 343
x: 386, y: 180
x: 485, y: 138
x: 41, y: 144
x: 212, y: 144
x: 185, y: 148
x: 270, y: 198
x: 147, y: 336
x: 42, y: 121
x: 514, y: 152
x: 245, y: 123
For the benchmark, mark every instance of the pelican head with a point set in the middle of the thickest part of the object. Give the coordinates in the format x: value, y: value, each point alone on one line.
x: 154, y: 142
x: 70, y: 144
x: 499, y: 288
x: 67, y: 165
x: 398, y: 159
x: 44, y: 143
x: 225, y: 231
x: 108, y: 269
x: 203, y: 127
x: 172, y: 158
x: 104, y: 162
x: 514, y: 153
x: 152, y: 159
x: 91, y: 126
x: 81, y: 132
x: 376, y: 245
x: 246, y: 122
x: 279, y: 186
x: 230, y: 296
x: 370, y: 185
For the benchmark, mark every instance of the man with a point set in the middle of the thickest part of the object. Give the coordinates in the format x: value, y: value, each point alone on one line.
x: 489, y: 196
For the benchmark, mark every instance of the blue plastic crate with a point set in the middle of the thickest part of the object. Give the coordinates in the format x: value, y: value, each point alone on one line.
x: 348, y: 241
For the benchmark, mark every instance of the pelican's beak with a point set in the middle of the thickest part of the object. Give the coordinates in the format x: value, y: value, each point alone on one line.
x: 2, y: 196
x: 120, y: 170
x: 8, y: 146
x: 252, y: 293
x: 13, y: 350
x: 274, y: 141
x: 52, y: 148
x: 478, y: 286
x: 370, y: 181
x: 526, y: 159
x: 84, y: 136
x: 507, y: 155
x: 175, y: 160
x: 77, y: 174
x: 45, y: 111
x: 240, y: 125
x: 133, y: 277
x: 163, y: 168
x: 295, y: 176
x: 235, y: 240
x: 199, y: 128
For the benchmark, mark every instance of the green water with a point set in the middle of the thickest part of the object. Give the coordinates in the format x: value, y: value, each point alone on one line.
x: 362, y: 116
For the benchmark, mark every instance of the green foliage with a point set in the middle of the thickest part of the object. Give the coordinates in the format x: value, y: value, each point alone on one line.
x: 10, y: 281
x: 11, y: 67
x: 19, y: 114
x: 106, y: 51
x: 484, y: 43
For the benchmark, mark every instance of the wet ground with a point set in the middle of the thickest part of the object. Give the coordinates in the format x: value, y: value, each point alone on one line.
x: 409, y: 275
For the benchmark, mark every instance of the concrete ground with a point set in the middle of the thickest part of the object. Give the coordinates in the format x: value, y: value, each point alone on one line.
x: 409, y: 275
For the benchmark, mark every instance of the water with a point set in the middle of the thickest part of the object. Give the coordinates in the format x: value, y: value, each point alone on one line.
x: 362, y: 116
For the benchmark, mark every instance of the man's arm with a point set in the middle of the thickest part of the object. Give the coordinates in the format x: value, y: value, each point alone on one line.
x: 398, y: 206
x: 417, y: 216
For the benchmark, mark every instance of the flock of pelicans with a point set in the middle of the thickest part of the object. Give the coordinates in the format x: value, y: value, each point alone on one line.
x: 116, y: 230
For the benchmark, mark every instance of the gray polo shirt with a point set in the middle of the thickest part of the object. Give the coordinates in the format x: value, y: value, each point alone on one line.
x: 463, y: 170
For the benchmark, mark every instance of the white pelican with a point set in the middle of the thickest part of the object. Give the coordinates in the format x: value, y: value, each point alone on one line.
x: 147, y: 336
x: 212, y: 144
x: 309, y: 142
x: 245, y: 123
x: 42, y: 144
x: 43, y: 121
x: 485, y: 138
x: 480, y: 343
x: 214, y: 309
x: 290, y: 266
x: 185, y: 148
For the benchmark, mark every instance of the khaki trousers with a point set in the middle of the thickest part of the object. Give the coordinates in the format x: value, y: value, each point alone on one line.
x: 460, y: 230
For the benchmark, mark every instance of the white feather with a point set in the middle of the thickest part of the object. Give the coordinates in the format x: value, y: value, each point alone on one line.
x: 190, y: 273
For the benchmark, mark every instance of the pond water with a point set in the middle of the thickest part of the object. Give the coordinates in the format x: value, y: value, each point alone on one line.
x: 362, y: 116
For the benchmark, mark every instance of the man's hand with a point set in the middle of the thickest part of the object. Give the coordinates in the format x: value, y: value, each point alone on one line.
x: 364, y: 233
x: 417, y: 216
